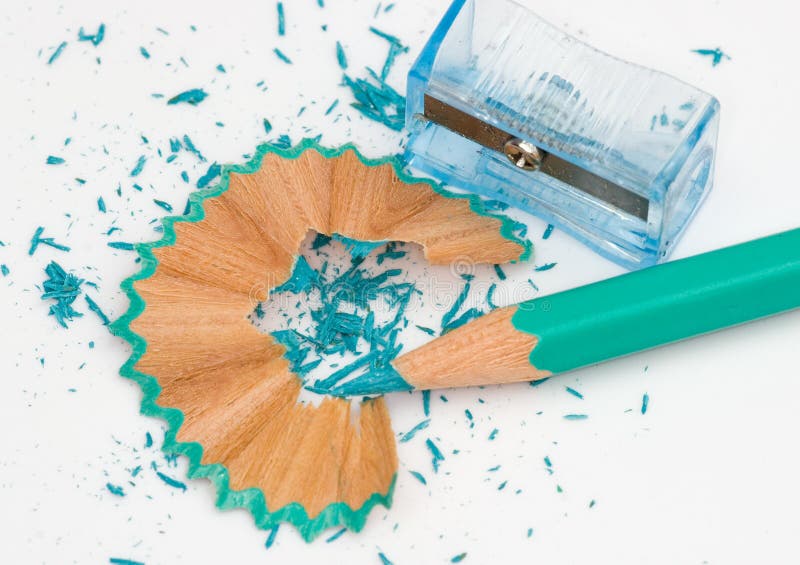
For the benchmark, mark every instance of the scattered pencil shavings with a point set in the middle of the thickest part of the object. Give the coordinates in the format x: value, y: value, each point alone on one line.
x: 271, y: 537
x: 137, y: 168
x: 375, y: 99
x: 438, y: 457
x: 63, y: 288
x: 95, y: 38
x: 193, y: 97
x: 170, y: 481
x: 716, y: 55
x: 37, y: 240
x: 413, y: 431
x: 115, y: 490
x: 57, y: 53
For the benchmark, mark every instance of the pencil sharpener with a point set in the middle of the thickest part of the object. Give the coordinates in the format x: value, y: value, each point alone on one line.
x: 503, y: 104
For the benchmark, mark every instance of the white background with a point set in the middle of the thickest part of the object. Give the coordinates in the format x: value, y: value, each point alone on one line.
x: 708, y: 475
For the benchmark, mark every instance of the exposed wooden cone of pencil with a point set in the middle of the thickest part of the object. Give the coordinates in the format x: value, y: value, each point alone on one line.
x: 237, y: 394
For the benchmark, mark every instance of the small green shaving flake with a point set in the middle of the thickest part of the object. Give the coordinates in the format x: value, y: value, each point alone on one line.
x: 340, y: 56
x: 336, y: 536
x: 438, y: 457
x: 37, y: 240
x: 57, y: 53
x: 280, y: 54
x: 267, y: 126
x: 645, y: 402
x: 95, y: 38
x: 500, y: 273
x: 592, y: 503
x: 170, y: 481
x: 575, y: 416
x: 4, y: 270
x: 419, y: 476
x: 281, y: 20
x: 101, y: 205
x: 271, y: 537
x: 148, y: 440
x: 193, y: 97
x: 458, y: 558
x: 145, y: 53
x: 548, y: 231
x: 124, y: 245
x: 493, y: 434
x: 716, y: 55
x: 545, y: 267
x: 428, y: 331
x: 139, y: 166
x: 574, y: 392
x: 426, y: 402
x: 409, y: 435
x: 64, y: 288
x: 53, y: 160
x: 115, y: 490
x: 332, y: 107
x: 530, y: 532
x: 96, y: 309
x: 161, y: 204
x: 213, y: 172
x: 384, y: 560
x: 122, y: 561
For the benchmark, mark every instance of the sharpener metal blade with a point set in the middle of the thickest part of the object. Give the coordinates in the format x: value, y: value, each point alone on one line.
x: 496, y: 139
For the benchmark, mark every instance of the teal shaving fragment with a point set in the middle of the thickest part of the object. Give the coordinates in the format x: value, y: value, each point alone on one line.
x: 213, y: 172
x: 490, y: 296
x: 548, y: 462
x: 340, y: 56
x: 448, y: 316
x: 282, y: 56
x: 502, y: 485
x: 137, y: 187
x: 96, y: 309
x: 419, y: 476
x: 101, y: 204
x: 545, y: 267
x: 191, y: 148
x: 467, y: 316
x: 574, y: 392
x: 332, y: 107
x: 458, y: 558
x: 121, y: 245
x: 384, y: 560
x: 271, y: 537
x: 426, y: 402
x: 4, y: 270
x: 575, y: 416
x: 388, y: 8
x: 321, y: 3
x: 185, y: 176
x: 148, y: 440
x: 409, y: 435
x: 468, y: 414
x: 302, y: 280
x: 37, y: 240
x: 193, y: 96
x: 161, y: 204
x: 493, y: 434
x: 500, y: 273
x: 96, y: 38
x: 548, y: 231
x: 121, y: 561
x: 53, y: 160
x: 267, y: 126
x: 144, y: 52
x: 645, y: 402
x: 717, y: 55
x: 281, y: 20
x: 139, y: 166
x: 57, y: 53
x: 336, y: 536
x: 115, y: 490
x: 426, y: 330
x: 170, y: 481
x: 438, y: 457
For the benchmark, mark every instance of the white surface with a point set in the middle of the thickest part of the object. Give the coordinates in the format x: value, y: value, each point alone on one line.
x: 708, y: 475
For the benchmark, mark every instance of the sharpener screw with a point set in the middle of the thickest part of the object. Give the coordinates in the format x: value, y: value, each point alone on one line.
x: 523, y: 154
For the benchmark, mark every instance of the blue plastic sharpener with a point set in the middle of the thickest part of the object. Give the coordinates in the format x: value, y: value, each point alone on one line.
x: 503, y: 104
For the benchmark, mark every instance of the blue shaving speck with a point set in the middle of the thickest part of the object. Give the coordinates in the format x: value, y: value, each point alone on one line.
x: 57, y: 53
x: 575, y: 416
x: 336, y: 536
x: 574, y: 392
x: 409, y: 435
x: 271, y: 538
x: 115, y: 490
x: 193, y: 97
x: 96, y: 38
x: 139, y: 166
x: 212, y: 173
x: 419, y: 476
x: 170, y: 481
x: 282, y: 56
x: 645, y: 402
x: 53, y: 160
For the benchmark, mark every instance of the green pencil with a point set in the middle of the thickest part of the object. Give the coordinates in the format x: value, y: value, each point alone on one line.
x: 608, y: 319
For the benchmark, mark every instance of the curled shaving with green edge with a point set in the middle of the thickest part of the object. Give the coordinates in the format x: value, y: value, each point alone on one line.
x: 252, y: 499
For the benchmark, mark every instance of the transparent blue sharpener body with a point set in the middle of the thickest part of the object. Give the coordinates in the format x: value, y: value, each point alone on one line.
x: 502, y: 104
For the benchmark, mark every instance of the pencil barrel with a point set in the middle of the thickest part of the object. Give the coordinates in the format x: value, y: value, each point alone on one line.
x: 663, y: 304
